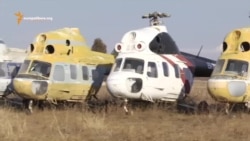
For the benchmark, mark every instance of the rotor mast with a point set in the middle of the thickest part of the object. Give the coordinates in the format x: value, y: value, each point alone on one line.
x: 155, y: 18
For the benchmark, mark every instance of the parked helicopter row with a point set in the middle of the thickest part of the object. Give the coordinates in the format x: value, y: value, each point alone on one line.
x: 149, y: 66
x: 60, y: 67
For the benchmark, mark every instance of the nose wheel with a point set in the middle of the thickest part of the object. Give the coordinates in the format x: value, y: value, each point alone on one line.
x: 247, y: 104
x: 230, y: 107
x: 125, y: 104
x: 28, y: 104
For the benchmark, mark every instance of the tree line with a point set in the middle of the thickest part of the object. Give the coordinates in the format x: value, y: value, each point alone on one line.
x: 100, y: 46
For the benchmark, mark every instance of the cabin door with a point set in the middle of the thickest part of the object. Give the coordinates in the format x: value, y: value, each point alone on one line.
x: 153, y: 85
x: 59, y: 88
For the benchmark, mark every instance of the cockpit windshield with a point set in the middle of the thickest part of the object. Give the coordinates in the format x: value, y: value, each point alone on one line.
x: 40, y: 68
x: 117, y: 64
x: 130, y: 64
x: 134, y: 65
x: 24, y: 66
x: 218, y: 66
x: 236, y: 67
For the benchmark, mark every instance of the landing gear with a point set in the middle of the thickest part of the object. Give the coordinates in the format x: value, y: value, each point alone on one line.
x: 247, y: 104
x: 28, y: 104
x: 236, y: 107
x: 186, y: 105
x: 125, y: 103
x: 189, y: 106
x: 203, y: 107
x: 227, y: 108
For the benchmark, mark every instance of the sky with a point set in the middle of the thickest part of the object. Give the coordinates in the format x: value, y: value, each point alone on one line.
x: 193, y: 23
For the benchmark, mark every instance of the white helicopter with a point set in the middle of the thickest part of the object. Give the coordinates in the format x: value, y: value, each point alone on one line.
x: 150, y: 67
x: 10, y: 62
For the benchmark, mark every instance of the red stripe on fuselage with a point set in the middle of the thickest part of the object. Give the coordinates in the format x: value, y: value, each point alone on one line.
x: 168, y: 60
x: 190, y: 65
x: 183, y: 78
x: 185, y: 81
x: 186, y: 61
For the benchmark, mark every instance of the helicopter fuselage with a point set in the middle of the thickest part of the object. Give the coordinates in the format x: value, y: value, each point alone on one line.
x: 230, y: 79
x: 155, y: 77
x: 60, y: 67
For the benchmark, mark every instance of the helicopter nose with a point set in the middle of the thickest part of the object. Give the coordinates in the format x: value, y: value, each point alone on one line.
x: 116, y: 85
x: 227, y: 90
x: 122, y: 86
x: 21, y: 86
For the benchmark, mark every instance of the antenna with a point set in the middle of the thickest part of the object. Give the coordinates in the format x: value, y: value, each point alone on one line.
x: 199, y: 51
x: 154, y: 17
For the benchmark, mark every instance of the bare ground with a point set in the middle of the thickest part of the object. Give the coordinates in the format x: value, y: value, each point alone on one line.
x: 152, y: 123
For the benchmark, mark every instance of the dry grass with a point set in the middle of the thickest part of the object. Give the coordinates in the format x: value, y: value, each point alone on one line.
x: 73, y: 124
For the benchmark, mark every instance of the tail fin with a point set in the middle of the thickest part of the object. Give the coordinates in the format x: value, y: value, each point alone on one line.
x: 199, y: 51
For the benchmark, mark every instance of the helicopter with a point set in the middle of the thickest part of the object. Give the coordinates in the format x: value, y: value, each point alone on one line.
x: 150, y: 67
x: 60, y: 67
x: 10, y: 61
x: 229, y: 82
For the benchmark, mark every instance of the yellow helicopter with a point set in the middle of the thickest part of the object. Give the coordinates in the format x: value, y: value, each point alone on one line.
x: 61, y: 67
x: 229, y: 82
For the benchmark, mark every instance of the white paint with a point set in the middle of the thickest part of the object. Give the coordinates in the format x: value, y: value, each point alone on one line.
x: 119, y: 82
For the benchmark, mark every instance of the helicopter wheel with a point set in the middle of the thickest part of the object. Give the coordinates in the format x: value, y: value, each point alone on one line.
x: 227, y: 108
x: 28, y: 103
x: 230, y: 107
x: 247, y: 105
x: 125, y: 104
x: 41, y: 105
x: 203, y: 107
x: 186, y: 105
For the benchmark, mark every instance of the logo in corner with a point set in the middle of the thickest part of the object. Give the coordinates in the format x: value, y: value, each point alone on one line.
x: 19, y: 16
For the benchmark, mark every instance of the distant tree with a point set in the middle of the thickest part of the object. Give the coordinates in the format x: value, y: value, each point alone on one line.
x: 99, y: 46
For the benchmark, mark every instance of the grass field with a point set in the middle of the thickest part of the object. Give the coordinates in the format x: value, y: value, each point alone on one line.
x: 159, y: 124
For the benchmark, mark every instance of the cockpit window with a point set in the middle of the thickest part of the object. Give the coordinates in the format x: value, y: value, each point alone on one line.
x: 152, y: 70
x: 237, y: 67
x: 219, y: 66
x: 134, y: 65
x: 40, y: 68
x: 117, y: 64
x: 24, y: 66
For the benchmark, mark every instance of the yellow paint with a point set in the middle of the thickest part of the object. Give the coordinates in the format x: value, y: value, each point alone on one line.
x: 77, y: 53
x: 217, y: 84
x: 219, y: 91
x: 234, y: 40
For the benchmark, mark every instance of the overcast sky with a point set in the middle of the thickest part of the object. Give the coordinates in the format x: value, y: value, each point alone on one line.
x: 193, y: 22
